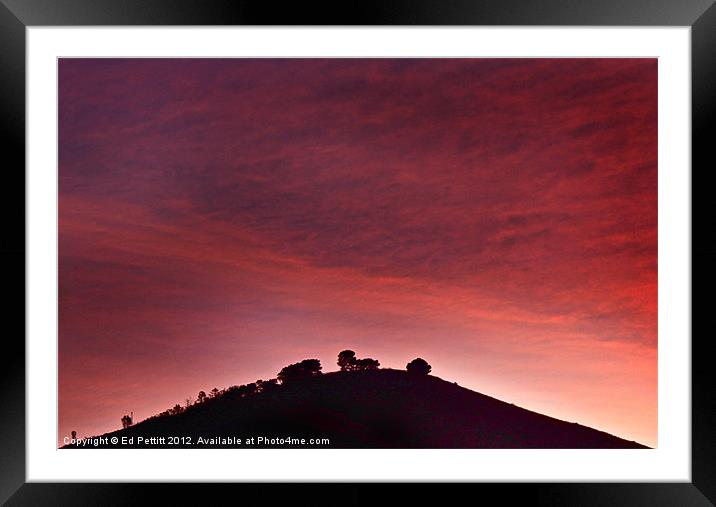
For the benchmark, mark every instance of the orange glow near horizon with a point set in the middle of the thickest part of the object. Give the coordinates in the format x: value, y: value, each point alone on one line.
x: 219, y: 219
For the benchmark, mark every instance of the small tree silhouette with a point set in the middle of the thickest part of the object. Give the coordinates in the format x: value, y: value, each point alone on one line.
x: 346, y: 360
x: 418, y: 366
x: 74, y: 435
x: 126, y: 421
x: 366, y: 364
x: 214, y: 392
x: 201, y: 398
x: 297, y: 371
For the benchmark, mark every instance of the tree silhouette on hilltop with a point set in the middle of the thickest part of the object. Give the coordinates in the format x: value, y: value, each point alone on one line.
x: 418, y: 366
x: 305, y: 369
x: 348, y: 362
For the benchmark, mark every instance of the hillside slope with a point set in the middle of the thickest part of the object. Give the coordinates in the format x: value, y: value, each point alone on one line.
x: 373, y: 409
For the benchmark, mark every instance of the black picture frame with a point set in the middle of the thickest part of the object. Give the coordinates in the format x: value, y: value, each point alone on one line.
x: 17, y: 15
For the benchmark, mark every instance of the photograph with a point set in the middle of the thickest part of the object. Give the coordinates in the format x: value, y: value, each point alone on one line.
x: 357, y: 253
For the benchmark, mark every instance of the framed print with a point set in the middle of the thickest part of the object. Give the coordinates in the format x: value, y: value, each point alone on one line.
x: 413, y: 244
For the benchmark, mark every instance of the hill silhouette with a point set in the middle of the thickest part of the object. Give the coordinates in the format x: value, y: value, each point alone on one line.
x: 377, y: 408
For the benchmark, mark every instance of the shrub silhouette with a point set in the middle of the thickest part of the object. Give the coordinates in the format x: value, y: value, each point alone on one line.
x: 242, y: 390
x: 298, y: 371
x: 201, y: 398
x: 346, y: 360
x: 266, y: 385
x: 366, y: 364
x: 74, y: 435
x: 418, y: 366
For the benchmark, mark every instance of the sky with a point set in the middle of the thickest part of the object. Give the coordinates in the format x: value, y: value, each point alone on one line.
x: 222, y: 218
